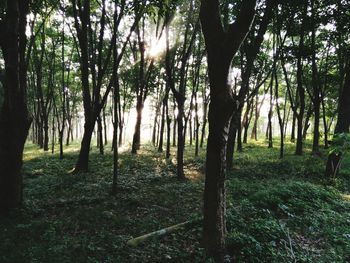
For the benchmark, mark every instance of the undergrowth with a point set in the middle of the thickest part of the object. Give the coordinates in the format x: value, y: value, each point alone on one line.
x: 278, y: 210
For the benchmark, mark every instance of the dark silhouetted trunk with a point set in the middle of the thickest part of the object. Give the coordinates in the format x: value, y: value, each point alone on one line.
x: 239, y: 129
x: 14, y: 116
x: 221, y: 47
x: 315, y: 85
x: 168, y: 139
x: 246, y: 120
x: 300, y: 87
x: 100, y: 135
x: 83, y: 159
x: 343, y: 122
x: 307, y: 121
x: 163, y: 119
x: 269, y: 127
x: 292, y: 136
x: 204, y: 120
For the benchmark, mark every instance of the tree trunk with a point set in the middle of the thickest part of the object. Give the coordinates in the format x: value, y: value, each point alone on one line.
x: 221, y: 46
x: 14, y: 119
x: 175, y: 124
x: 168, y: 139
x: 46, y: 133
x: 137, y: 133
x: 306, y: 122
x: 162, y: 123
x: 105, y: 127
x: 343, y: 122
x: 325, y: 126
x: 197, y: 127
x: 300, y: 87
x: 180, y: 141
x: 315, y: 85
x: 239, y: 129
x: 292, y: 136
x: 83, y: 159
x: 53, y: 134
x: 204, y: 123
x: 100, y: 135
x: 269, y: 135
x: 246, y: 120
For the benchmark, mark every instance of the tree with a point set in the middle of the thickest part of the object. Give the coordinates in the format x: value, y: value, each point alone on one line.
x: 222, y: 45
x: 93, y: 65
x: 14, y: 117
x: 180, y: 93
x: 343, y: 122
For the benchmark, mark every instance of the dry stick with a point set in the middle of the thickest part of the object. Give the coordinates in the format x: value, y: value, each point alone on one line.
x: 162, y: 232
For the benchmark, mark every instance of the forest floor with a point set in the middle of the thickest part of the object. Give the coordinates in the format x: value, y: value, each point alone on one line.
x: 278, y: 210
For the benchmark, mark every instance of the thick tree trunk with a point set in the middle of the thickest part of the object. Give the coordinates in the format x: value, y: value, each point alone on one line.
x: 220, y: 112
x: 14, y: 120
x: 82, y: 164
x: 221, y: 47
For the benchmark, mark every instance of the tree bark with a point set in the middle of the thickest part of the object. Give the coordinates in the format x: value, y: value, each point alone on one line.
x: 14, y: 116
x: 221, y: 47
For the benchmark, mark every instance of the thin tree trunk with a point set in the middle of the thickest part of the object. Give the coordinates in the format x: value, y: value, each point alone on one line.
x: 239, y: 129
x: 100, y: 135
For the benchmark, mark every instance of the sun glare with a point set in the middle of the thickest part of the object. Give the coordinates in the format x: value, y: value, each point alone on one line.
x: 157, y: 47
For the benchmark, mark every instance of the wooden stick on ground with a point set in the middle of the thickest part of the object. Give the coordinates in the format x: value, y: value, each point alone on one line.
x: 136, y: 241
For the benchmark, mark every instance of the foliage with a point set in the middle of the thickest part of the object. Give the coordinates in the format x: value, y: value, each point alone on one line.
x: 340, y: 144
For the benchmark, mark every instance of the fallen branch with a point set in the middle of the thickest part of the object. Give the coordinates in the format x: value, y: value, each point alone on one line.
x: 188, y: 224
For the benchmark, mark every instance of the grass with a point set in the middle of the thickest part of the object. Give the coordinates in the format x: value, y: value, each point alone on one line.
x: 278, y: 210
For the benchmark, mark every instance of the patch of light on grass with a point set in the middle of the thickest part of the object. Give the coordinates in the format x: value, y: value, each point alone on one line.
x: 346, y: 197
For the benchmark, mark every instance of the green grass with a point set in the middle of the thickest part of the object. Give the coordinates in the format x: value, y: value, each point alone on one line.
x: 278, y: 210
